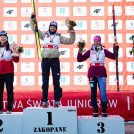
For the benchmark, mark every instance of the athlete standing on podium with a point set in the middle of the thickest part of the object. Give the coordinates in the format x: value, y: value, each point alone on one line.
x: 6, y: 71
x: 50, y: 59
x: 97, y: 72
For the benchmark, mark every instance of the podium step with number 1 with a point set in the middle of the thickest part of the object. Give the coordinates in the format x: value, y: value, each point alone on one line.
x: 50, y: 120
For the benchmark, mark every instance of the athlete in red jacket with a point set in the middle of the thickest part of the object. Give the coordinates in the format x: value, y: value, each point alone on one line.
x: 6, y: 72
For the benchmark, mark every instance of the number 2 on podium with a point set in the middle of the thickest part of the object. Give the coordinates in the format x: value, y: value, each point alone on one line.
x: 1, y: 122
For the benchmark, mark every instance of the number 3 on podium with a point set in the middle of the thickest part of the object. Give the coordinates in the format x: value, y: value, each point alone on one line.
x: 101, y: 130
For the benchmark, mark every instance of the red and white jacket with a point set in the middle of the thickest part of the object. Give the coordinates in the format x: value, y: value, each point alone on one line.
x: 6, y: 62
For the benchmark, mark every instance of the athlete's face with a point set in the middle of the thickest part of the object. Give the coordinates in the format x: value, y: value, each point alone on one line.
x: 52, y: 29
x: 96, y: 43
x: 3, y: 40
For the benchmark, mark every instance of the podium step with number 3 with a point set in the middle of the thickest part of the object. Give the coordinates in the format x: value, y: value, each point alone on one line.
x: 113, y: 124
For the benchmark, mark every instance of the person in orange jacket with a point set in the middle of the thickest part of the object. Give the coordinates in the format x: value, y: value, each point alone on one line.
x: 6, y: 72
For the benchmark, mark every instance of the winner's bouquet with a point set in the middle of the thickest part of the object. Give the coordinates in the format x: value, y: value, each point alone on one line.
x: 81, y: 45
x: 70, y: 24
x: 16, y: 49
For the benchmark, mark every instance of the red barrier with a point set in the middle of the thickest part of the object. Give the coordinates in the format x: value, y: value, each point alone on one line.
x: 121, y: 103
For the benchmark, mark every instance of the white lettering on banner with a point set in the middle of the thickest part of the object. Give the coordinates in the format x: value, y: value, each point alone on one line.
x: 4, y: 104
x: 20, y: 105
x: 128, y: 102
x: 98, y: 103
x: 113, y: 103
x: 80, y: 103
x: 28, y: 102
x: 87, y: 103
x: 37, y: 103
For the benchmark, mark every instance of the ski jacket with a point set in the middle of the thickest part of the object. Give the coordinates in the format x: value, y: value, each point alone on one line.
x: 53, y: 52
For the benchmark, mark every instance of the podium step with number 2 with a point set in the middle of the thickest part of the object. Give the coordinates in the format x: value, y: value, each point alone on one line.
x: 11, y: 123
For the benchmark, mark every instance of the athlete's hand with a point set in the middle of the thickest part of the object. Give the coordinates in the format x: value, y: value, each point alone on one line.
x: 33, y: 15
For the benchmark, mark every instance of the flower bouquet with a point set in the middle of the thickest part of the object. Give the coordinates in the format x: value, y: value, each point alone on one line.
x: 70, y: 24
x: 81, y: 45
x: 16, y: 49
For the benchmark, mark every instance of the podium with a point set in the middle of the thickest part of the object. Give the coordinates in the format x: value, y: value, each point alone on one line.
x: 11, y: 123
x: 50, y: 120
x: 107, y: 125
x: 62, y: 120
